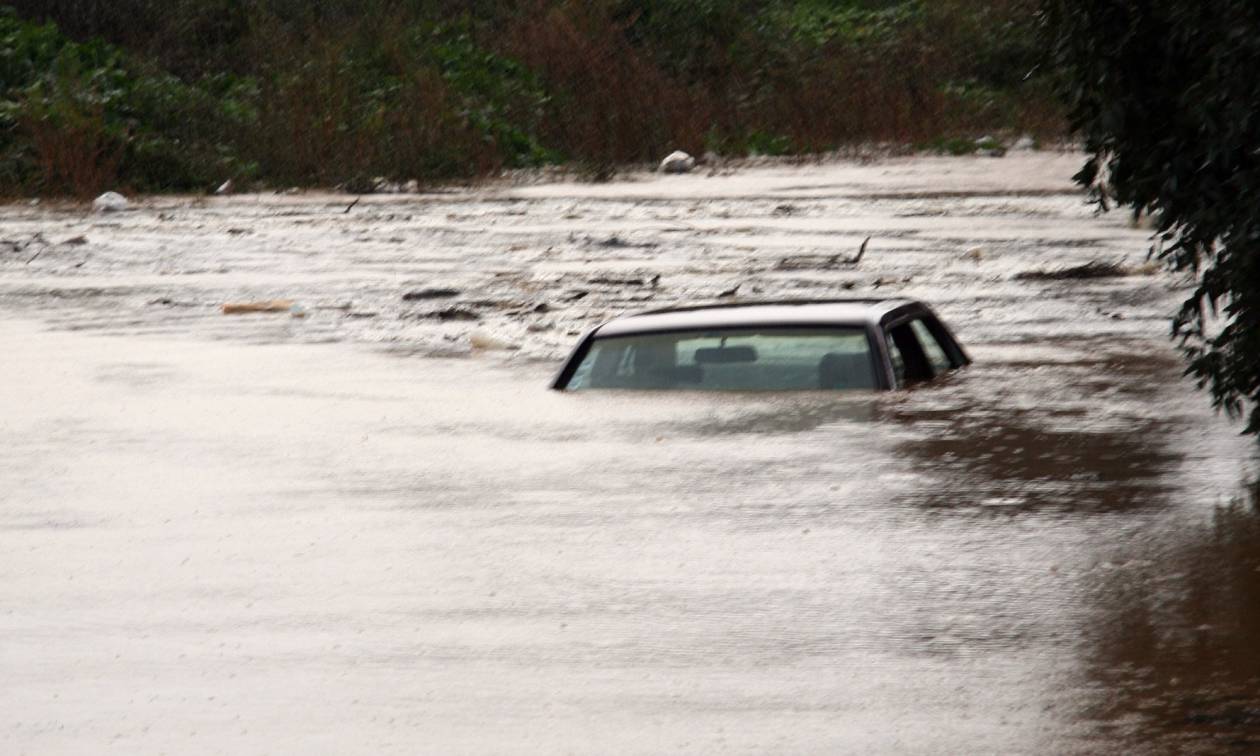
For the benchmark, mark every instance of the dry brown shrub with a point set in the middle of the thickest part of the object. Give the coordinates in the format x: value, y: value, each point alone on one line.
x: 612, y: 103
x: 75, y: 155
x: 324, y: 119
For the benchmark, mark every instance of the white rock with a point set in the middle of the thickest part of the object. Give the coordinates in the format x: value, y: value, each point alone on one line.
x: 1024, y: 144
x: 677, y: 162
x: 225, y: 188
x: 109, y: 202
x: 412, y: 187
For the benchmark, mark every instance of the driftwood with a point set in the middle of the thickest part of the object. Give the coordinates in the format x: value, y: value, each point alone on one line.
x: 245, y: 308
x: 1091, y: 269
x: 822, y: 262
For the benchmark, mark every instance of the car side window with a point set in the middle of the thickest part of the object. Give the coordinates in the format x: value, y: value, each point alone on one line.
x: 915, y: 365
x: 932, y: 349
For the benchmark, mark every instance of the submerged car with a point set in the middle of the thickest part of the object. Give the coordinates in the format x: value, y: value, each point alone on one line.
x: 859, y: 344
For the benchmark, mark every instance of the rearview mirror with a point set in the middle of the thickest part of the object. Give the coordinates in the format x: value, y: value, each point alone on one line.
x: 725, y: 355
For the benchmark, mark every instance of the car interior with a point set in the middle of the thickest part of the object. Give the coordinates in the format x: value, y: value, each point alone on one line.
x: 731, y: 360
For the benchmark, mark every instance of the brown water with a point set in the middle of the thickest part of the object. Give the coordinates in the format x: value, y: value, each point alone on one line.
x: 357, y: 532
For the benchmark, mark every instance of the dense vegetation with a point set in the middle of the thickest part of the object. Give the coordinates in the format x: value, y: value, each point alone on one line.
x: 1166, y: 96
x: 181, y: 94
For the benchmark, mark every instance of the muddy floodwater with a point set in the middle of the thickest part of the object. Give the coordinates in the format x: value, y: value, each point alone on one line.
x: 371, y: 529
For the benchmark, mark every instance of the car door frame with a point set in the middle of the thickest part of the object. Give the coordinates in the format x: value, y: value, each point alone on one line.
x: 902, y: 316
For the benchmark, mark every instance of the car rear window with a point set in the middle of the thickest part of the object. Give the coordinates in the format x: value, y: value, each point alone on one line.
x: 767, y: 359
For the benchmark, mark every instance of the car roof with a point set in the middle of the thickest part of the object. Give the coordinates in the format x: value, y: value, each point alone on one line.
x: 852, y: 312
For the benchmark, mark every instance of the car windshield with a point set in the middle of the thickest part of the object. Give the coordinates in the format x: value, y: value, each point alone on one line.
x: 756, y: 359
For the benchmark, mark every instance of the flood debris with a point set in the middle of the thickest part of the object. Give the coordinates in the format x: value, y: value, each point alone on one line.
x: 36, y: 239
x: 110, y: 202
x: 653, y: 282
x: 447, y: 314
x: 268, y: 306
x: 481, y: 339
x: 677, y: 162
x: 891, y: 281
x: 225, y: 188
x: 822, y: 262
x: 433, y: 292
x: 76, y: 241
x: 1091, y: 269
x: 861, y: 251
x: 16, y: 247
x: 612, y: 242
x: 807, y: 262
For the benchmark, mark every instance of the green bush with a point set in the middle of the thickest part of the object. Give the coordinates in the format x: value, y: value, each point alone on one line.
x: 501, y: 99
x: 80, y: 117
